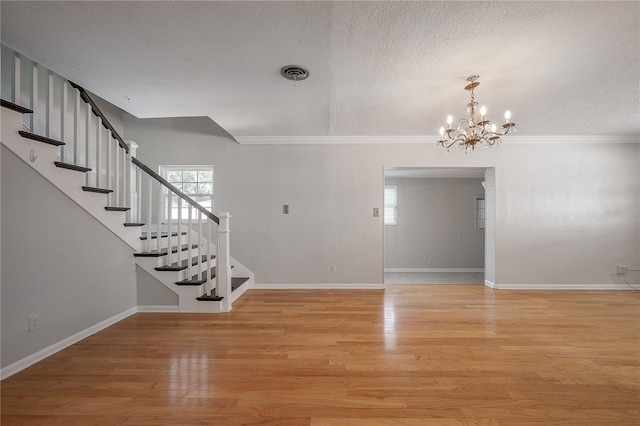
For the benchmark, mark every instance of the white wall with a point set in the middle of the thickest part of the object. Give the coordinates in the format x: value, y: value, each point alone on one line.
x: 436, y: 225
x: 551, y: 202
x: 57, y: 261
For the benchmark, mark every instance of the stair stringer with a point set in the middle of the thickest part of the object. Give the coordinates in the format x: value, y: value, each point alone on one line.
x: 41, y: 156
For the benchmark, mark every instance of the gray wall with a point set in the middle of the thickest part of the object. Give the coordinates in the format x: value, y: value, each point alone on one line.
x: 551, y: 202
x: 490, y: 225
x: 57, y: 261
x: 151, y: 292
x: 436, y: 225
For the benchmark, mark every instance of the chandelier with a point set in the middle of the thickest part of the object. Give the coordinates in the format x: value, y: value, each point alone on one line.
x: 474, y: 129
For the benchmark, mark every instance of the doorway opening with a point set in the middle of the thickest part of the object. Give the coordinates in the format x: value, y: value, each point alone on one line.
x: 439, y: 225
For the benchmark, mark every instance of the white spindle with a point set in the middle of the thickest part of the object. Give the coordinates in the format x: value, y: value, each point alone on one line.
x: 199, y: 250
x: 87, y: 161
x: 110, y: 197
x: 169, y: 224
x: 76, y: 126
x: 189, y: 226
x: 209, y: 286
x: 149, y: 209
x: 125, y: 177
x: 49, y: 114
x: 180, y: 233
x: 34, y: 97
x: 63, y: 119
x: 16, y: 95
x: 119, y: 179
x: 159, y: 215
x: 98, y: 151
x: 138, y: 216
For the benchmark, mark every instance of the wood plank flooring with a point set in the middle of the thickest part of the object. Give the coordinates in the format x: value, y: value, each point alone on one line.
x: 408, y: 355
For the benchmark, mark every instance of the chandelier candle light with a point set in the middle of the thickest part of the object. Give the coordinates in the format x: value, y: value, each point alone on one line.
x: 473, y: 130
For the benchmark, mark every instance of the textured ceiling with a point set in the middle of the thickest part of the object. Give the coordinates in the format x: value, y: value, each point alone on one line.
x: 377, y: 68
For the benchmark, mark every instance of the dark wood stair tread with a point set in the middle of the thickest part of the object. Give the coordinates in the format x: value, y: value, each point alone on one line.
x: 209, y: 298
x: 199, y: 279
x: 70, y: 166
x: 134, y: 224
x: 15, y: 107
x: 39, y: 138
x: 96, y: 190
x: 117, y: 209
x: 175, y: 266
x: 163, y: 252
x: 236, y: 282
x: 154, y: 235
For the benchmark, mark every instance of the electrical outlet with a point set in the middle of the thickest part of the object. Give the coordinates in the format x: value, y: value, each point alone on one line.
x: 34, y: 322
x: 333, y: 268
x: 622, y: 270
x: 376, y: 212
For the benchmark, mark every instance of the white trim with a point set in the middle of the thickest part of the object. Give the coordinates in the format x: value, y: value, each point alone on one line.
x: 589, y: 287
x: 159, y: 308
x: 434, y: 269
x: 325, y: 286
x: 426, y: 139
x: 28, y: 361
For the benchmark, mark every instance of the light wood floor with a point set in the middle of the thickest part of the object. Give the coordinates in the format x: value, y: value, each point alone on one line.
x: 409, y: 355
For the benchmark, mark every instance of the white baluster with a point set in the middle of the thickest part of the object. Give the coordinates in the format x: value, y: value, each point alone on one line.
x: 180, y: 233
x: 76, y: 126
x: 124, y: 179
x: 98, y: 150
x: 87, y: 144
x: 138, y: 197
x: 199, y: 250
x: 209, y: 285
x: 159, y: 215
x: 110, y: 197
x: 149, y: 210
x: 34, y: 98
x: 169, y: 224
x: 63, y: 120
x: 49, y: 107
x: 16, y: 95
x: 189, y: 225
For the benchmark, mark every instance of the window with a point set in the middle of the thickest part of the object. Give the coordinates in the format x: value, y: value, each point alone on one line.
x: 480, y: 213
x: 195, y: 181
x: 390, y: 204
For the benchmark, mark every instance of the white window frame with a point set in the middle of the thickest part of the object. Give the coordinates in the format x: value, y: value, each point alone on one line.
x: 393, y: 221
x: 480, y: 210
x: 163, y: 171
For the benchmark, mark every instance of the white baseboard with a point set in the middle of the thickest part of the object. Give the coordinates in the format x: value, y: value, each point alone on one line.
x: 434, y: 269
x: 490, y: 284
x: 159, y: 308
x: 28, y: 361
x: 325, y: 286
x: 600, y: 287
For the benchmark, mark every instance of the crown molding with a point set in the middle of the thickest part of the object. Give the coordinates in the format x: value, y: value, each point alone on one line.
x: 427, y: 139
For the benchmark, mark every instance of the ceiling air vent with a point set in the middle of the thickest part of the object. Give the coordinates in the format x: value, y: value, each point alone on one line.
x: 294, y: 72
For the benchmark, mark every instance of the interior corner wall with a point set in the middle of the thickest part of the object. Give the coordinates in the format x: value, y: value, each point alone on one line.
x: 490, y: 225
x: 57, y: 262
x: 565, y: 212
x: 436, y: 225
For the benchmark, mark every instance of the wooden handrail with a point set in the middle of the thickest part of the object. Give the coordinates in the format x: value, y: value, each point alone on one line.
x: 175, y: 190
x: 94, y: 108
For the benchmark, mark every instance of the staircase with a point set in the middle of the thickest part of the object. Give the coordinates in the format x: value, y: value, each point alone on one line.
x: 64, y: 136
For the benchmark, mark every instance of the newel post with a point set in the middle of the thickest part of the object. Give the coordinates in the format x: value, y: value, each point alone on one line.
x: 223, y: 262
x: 131, y: 182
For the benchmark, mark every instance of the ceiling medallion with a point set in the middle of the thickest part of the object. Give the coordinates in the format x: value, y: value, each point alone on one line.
x: 474, y: 129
